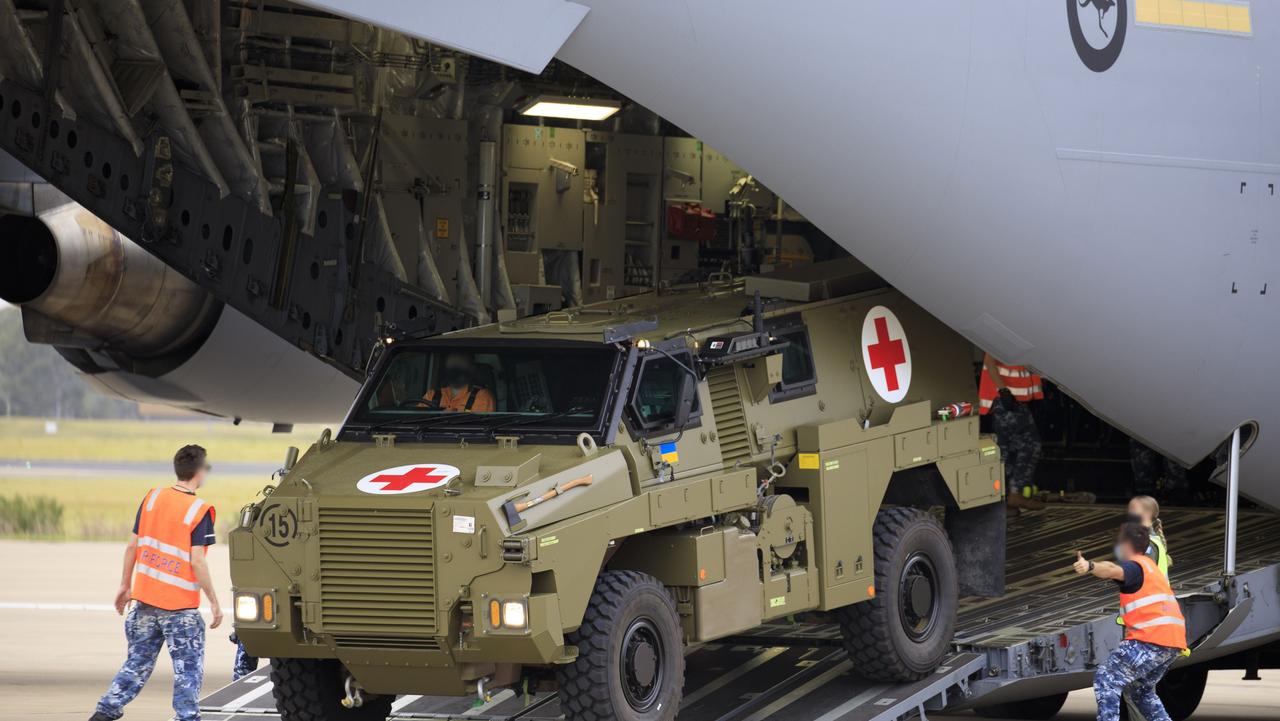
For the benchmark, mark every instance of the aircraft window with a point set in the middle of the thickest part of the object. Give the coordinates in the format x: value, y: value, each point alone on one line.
x: 519, y: 388
x: 799, y: 377
x: 653, y: 405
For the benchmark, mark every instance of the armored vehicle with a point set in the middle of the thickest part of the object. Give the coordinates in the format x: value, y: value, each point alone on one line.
x: 579, y: 496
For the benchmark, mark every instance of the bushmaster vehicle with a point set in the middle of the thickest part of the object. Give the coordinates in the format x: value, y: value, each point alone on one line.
x: 584, y: 494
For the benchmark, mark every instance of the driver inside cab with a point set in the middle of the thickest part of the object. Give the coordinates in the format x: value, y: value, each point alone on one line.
x: 458, y: 390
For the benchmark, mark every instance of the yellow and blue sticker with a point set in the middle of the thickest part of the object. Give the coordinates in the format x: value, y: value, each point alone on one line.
x: 668, y: 453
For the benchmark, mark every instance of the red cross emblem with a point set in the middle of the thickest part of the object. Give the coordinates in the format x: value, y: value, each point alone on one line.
x: 886, y: 354
x: 407, y: 479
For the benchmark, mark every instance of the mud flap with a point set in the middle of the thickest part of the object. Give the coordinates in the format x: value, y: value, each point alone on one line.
x: 978, y: 541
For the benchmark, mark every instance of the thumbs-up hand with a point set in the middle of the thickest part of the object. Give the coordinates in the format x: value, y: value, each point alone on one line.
x: 1081, y: 565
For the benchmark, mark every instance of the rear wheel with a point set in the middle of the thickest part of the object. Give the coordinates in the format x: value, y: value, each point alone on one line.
x: 1032, y: 709
x: 904, y: 631
x: 309, y: 689
x: 630, y: 663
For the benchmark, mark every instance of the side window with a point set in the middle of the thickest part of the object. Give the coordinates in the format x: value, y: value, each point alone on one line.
x: 653, y: 403
x: 799, y: 378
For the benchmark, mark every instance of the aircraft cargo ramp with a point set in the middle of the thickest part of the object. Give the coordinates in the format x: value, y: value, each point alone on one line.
x: 1044, y: 636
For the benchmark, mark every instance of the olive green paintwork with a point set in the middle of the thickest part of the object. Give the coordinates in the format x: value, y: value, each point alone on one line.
x: 398, y: 586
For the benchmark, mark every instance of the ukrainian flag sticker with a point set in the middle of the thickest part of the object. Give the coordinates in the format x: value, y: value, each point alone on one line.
x: 668, y: 452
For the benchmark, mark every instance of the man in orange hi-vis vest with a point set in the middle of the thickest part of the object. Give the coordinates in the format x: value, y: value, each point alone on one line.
x: 1155, y: 632
x: 1003, y: 392
x: 164, y: 572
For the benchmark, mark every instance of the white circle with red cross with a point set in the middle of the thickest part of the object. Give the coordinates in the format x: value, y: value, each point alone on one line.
x: 886, y: 354
x: 407, y: 479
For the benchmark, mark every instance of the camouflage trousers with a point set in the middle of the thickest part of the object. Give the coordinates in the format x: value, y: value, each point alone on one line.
x: 1137, y: 667
x: 147, y: 628
x: 244, y: 663
x: 1153, y: 472
x: 1015, y: 430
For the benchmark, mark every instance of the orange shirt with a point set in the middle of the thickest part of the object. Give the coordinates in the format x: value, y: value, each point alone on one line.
x: 451, y: 400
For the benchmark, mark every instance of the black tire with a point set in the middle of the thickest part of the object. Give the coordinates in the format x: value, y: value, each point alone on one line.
x: 1180, y: 691
x: 630, y: 663
x: 905, y: 631
x: 310, y: 689
x: 1032, y: 709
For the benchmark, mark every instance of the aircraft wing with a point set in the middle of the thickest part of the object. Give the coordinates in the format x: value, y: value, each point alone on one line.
x: 524, y: 34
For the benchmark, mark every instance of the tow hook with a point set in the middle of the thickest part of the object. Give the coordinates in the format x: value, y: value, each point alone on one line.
x: 480, y: 692
x: 354, y: 697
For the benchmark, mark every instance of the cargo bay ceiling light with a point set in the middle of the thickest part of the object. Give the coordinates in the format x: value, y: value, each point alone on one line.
x: 560, y: 106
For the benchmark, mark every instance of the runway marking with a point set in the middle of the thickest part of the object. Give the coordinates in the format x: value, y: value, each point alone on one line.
x: 20, y: 606
x: 245, y: 699
x: 800, y: 692
x: 726, y: 679
x: 403, y: 701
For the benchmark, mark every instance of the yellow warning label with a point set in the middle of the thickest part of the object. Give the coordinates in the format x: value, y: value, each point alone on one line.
x: 442, y: 228
x: 777, y: 601
x: 547, y: 541
x: 808, y: 461
x: 1230, y: 16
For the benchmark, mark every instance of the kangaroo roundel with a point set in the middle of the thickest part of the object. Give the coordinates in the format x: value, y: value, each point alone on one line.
x: 886, y: 354
x: 407, y: 479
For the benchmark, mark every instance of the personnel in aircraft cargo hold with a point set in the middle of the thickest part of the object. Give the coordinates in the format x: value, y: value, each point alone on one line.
x: 1153, y: 472
x: 164, y: 572
x: 1003, y: 392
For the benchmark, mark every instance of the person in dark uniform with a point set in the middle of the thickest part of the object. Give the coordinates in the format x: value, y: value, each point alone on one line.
x: 1003, y: 393
x: 1154, y: 473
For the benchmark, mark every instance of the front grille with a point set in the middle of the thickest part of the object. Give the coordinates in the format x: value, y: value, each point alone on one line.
x: 378, y: 577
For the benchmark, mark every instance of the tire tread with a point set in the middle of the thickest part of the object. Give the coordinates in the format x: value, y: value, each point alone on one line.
x: 866, y: 626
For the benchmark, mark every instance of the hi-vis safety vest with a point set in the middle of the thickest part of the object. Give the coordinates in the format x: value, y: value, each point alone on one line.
x: 162, y: 575
x: 1161, y: 554
x: 1152, y: 614
x: 1022, y: 383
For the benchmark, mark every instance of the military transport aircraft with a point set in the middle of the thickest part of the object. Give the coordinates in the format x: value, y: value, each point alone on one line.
x: 1088, y: 186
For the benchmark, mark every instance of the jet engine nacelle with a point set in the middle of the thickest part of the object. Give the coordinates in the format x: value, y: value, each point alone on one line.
x: 140, y: 330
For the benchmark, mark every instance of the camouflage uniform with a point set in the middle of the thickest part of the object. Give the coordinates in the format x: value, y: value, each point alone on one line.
x: 244, y: 663
x: 1015, y: 430
x: 1153, y: 472
x: 1137, y: 667
x: 147, y: 628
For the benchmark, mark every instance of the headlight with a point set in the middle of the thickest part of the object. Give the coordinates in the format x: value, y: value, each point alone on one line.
x: 508, y: 615
x: 513, y: 615
x: 247, y: 607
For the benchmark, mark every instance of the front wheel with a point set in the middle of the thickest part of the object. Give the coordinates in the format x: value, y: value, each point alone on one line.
x: 630, y: 663
x: 310, y: 689
x: 904, y: 631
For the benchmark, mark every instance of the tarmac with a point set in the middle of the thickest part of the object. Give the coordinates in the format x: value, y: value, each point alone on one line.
x: 61, y: 642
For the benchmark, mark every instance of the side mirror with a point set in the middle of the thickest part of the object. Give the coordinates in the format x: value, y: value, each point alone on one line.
x: 684, y: 402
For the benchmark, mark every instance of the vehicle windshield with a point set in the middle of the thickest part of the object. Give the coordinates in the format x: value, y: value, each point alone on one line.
x: 502, y: 389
